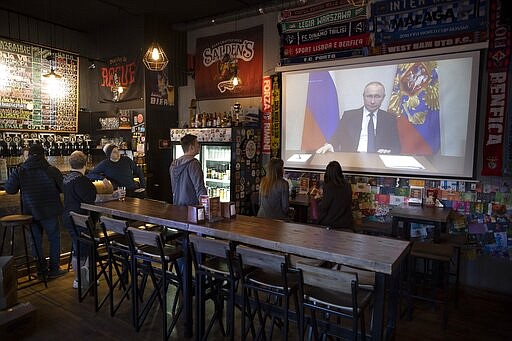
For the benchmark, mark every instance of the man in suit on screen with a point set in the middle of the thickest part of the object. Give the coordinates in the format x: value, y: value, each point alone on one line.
x: 367, y: 129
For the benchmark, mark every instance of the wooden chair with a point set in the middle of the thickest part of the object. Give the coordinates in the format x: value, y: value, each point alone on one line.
x: 268, y: 284
x: 332, y: 293
x: 98, y: 265
x: 160, y: 262
x: 213, y: 281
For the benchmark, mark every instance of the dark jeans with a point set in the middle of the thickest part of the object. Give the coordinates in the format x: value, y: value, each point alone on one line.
x: 51, y: 227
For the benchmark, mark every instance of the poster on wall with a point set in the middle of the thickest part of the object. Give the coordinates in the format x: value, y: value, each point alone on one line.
x: 161, y: 92
x: 31, y: 101
x: 222, y: 57
x: 121, y: 80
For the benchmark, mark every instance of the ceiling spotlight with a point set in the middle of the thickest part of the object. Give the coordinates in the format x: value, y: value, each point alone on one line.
x: 261, y: 10
x: 92, y: 65
x: 212, y: 21
x: 303, y: 2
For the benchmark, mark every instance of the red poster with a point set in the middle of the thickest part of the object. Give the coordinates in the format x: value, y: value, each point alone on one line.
x: 498, y: 59
x: 266, y: 121
x: 219, y: 58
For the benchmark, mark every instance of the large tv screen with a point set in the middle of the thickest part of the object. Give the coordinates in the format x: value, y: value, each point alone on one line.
x: 407, y: 116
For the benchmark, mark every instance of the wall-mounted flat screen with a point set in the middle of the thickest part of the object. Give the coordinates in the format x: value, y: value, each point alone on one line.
x: 414, y: 116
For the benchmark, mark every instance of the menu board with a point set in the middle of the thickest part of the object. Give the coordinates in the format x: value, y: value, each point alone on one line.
x: 31, y: 102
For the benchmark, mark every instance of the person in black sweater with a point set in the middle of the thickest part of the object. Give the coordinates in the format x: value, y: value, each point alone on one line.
x: 40, y: 185
x: 120, y: 171
x: 336, y: 205
x: 79, y: 189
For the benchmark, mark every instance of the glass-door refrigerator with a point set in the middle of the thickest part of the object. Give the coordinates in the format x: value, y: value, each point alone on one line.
x: 216, y: 162
x: 231, y: 162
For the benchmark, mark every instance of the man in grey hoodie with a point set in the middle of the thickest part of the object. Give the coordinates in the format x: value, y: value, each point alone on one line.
x: 187, y: 177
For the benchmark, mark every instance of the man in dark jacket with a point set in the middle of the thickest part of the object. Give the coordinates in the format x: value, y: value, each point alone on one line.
x: 40, y: 185
x: 120, y: 171
x: 187, y: 177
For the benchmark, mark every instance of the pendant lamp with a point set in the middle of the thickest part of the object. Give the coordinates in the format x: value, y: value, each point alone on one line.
x: 155, y: 58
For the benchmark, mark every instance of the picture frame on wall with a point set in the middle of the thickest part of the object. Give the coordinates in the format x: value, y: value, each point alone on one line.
x: 164, y: 144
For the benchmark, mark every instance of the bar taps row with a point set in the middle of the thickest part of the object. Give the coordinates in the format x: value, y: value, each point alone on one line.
x: 55, y: 144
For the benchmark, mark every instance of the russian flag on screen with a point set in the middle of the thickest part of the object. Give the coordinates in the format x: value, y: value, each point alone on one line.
x: 322, y: 112
x: 415, y: 101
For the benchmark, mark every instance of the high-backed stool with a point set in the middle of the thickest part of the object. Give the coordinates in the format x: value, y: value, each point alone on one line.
x: 425, y: 283
x: 15, y: 222
x: 457, y: 241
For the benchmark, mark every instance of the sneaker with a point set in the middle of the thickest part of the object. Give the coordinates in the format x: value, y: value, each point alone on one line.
x: 56, y: 273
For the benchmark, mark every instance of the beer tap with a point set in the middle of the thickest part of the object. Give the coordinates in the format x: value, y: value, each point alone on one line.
x: 3, y: 146
x: 18, y: 147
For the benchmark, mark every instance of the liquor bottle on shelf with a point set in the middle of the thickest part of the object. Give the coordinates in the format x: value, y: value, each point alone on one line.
x: 203, y: 120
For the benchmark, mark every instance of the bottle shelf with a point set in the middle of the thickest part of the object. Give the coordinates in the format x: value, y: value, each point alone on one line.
x: 218, y: 160
x: 117, y: 129
x: 218, y: 180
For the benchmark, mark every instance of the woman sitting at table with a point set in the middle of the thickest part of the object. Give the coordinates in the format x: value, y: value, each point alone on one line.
x: 274, y: 192
x: 336, y: 205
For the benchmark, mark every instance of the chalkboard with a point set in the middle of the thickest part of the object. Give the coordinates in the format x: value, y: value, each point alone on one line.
x: 31, y: 102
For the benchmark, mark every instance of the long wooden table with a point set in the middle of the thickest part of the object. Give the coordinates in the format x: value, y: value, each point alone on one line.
x: 436, y: 216
x: 381, y: 255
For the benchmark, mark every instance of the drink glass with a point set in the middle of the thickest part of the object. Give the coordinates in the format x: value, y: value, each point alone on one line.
x: 122, y: 194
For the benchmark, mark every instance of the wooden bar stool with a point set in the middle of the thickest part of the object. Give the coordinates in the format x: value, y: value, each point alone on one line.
x: 213, y: 281
x: 424, y: 284
x: 268, y: 285
x: 159, y: 262
x: 96, y: 266
x: 119, y: 260
x: 332, y: 293
x: 23, y: 222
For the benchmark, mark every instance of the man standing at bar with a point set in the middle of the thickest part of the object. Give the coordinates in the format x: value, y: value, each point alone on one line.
x: 40, y: 185
x: 187, y: 177
x: 367, y: 129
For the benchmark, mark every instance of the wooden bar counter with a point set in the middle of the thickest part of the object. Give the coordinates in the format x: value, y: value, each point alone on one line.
x: 380, y: 255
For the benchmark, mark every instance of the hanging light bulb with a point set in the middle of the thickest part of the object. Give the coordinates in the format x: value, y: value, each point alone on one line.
x: 235, y: 80
x: 52, y: 74
x: 155, y: 58
x: 155, y: 55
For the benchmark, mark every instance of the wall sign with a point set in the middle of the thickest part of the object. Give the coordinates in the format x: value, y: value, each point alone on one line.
x: 31, y: 102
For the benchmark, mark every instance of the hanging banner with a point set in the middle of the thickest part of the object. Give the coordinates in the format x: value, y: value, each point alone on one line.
x: 498, y: 62
x: 324, y: 46
x: 121, y: 80
x: 161, y: 93
x: 316, y: 20
x: 266, y: 120
x: 275, y: 139
x: 402, y: 21
x: 219, y: 58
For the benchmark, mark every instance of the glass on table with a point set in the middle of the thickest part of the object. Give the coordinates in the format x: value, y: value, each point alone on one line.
x: 121, y: 193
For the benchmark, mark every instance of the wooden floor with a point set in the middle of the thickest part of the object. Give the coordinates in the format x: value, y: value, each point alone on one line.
x: 59, y: 316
